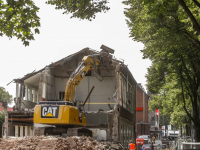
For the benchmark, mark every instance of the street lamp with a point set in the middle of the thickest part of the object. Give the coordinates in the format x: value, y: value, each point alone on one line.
x: 141, y: 127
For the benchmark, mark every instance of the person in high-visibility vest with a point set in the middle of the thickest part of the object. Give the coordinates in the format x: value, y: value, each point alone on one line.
x: 153, y: 139
x: 131, y: 145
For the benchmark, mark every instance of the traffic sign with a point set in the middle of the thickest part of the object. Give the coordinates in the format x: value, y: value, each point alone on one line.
x: 139, y: 141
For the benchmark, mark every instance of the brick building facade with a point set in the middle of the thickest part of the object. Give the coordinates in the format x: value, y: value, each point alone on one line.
x: 142, y: 111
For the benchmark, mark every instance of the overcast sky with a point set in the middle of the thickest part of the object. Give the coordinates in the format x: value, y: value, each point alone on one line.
x: 61, y: 36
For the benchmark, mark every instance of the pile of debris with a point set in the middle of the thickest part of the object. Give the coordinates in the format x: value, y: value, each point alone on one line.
x: 56, y: 143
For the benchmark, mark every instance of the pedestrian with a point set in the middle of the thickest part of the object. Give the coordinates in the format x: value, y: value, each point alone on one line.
x: 153, y: 139
x: 131, y: 145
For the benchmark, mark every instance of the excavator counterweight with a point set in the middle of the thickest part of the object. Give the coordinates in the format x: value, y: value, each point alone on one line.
x: 58, y: 113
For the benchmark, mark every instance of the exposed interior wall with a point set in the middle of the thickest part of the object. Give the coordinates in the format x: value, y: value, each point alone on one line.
x: 60, y: 85
x: 46, y: 85
x: 26, y: 92
x: 29, y: 90
x: 101, y: 96
x: 51, y: 95
x: 57, y: 78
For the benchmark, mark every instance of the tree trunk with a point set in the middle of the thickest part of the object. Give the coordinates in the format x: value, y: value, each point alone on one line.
x: 187, y: 130
x: 181, y: 131
x: 190, y: 15
x: 197, y: 132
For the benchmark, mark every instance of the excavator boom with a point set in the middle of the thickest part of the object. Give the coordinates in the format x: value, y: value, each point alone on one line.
x: 78, y: 75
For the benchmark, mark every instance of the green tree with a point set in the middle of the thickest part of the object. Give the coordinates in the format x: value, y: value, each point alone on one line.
x: 2, y: 120
x: 20, y: 18
x: 5, y: 96
x: 170, y: 107
x: 83, y: 9
x: 171, y: 40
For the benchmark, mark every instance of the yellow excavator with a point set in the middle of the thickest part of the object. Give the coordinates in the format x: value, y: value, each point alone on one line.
x: 63, y: 114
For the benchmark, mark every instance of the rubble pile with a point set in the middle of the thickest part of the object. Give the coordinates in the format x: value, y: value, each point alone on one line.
x: 57, y: 143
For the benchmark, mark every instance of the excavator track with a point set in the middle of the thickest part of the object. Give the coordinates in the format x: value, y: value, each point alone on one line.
x: 79, y: 132
x: 61, y: 131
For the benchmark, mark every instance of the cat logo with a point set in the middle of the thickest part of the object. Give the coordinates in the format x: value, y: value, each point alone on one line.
x: 49, y: 111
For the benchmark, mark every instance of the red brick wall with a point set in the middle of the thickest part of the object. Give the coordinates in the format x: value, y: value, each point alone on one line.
x: 146, y: 108
x: 139, y: 103
x: 145, y: 129
x: 140, y: 114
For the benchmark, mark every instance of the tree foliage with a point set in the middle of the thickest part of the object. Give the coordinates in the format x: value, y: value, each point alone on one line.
x: 170, y: 106
x: 5, y: 96
x: 20, y: 18
x: 169, y: 31
x: 83, y: 9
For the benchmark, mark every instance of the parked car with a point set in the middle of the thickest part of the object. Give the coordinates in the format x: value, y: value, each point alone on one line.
x: 146, y: 145
x: 165, y: 138
x: 146, y: 138
x: 163, y: 146
x: 149, y: 148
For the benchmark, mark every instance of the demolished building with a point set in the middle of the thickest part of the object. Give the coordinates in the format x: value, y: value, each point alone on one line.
x: 110, y: 109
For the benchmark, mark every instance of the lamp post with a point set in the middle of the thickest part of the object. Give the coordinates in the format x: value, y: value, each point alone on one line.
x: 141, y: 127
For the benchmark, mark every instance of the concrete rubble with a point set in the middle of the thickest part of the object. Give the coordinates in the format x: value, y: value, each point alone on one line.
x: 57, y: 143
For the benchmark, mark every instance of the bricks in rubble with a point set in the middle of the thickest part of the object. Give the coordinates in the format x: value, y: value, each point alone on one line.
x: 56, y: 143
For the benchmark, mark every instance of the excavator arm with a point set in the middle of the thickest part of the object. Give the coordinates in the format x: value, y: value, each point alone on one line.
x: 77, y: 76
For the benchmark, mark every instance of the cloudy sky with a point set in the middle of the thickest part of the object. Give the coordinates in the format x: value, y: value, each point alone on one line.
x: 61, y: 36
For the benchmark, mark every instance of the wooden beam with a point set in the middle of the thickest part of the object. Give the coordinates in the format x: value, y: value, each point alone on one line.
x: 21, y: 119
x: 88, y: 96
